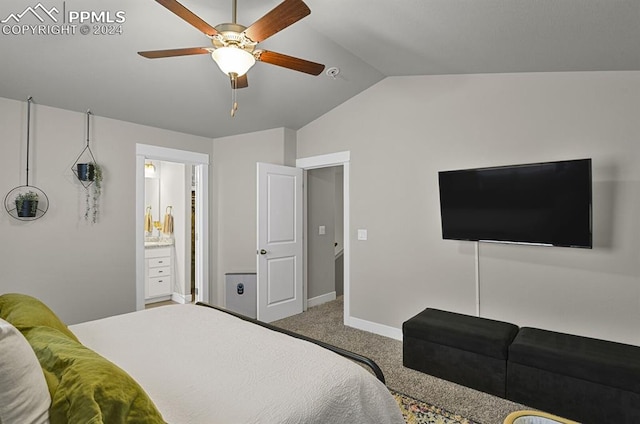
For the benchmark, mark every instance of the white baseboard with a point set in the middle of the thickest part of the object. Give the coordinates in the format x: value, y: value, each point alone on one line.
x: 319, y: 300
x: 156, y: 299
x: 181, y: 298
x: 373, y: 327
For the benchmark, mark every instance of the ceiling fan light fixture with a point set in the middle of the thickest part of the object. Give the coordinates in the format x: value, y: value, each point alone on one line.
x: 233, y: 60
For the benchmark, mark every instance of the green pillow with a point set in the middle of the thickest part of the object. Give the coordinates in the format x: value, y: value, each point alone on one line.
x: 85, y: 387
x: 25, y: 312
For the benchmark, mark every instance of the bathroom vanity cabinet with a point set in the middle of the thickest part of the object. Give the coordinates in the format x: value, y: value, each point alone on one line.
x: 158, y: 274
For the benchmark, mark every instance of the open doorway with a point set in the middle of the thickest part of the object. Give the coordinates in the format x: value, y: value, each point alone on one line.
x: 169, y: 234
x: 189, y: 196
x: 340, y: 160
x: 325, y: 238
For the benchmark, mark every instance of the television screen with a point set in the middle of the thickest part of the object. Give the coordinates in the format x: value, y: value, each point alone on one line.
x: 543, y: 203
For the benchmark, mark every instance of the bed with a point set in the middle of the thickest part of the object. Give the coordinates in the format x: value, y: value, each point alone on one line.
x: 197, y: 364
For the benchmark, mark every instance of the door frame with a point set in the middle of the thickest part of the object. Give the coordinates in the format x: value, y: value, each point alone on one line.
x: 201, y: 162
x: 326, y: 161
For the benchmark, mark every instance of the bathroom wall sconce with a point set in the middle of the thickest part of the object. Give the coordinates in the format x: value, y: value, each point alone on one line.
x: 149, y: 170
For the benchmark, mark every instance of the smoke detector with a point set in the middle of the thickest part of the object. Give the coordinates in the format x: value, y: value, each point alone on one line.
x: 333, y: 72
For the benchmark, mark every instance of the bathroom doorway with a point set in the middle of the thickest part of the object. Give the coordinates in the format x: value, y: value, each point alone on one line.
x: 178, y: 192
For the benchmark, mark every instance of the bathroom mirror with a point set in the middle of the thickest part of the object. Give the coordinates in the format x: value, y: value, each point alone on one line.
x: 152, y: 189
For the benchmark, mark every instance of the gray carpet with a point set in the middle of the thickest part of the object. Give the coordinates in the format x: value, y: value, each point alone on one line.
x: 325, y: 323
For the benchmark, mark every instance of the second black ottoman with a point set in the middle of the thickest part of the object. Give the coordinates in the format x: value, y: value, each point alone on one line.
x: 465, y: 349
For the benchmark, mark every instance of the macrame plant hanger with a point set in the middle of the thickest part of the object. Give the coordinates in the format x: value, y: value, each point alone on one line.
x: 89, y: 173
x: 84, y: 165
x: 27, y: 202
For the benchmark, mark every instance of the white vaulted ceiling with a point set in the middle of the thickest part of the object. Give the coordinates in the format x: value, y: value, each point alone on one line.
x: 367, y: 40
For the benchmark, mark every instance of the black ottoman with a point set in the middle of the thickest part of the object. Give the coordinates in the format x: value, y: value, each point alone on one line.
x: 580, y: 378
x: 467, y: 350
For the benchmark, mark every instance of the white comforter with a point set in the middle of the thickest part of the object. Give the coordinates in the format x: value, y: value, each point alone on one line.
x: 200, y: 365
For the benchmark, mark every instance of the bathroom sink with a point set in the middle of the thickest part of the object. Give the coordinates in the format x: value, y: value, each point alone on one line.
x: 158, y: 241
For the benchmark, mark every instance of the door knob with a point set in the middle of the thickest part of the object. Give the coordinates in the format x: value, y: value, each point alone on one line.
x: 263, y: 252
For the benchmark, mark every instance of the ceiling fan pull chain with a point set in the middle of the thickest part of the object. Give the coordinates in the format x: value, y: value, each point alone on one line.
x: 233, y: 84
x: 234, y: 94
x: 234, y: 12
x: 235, y: 97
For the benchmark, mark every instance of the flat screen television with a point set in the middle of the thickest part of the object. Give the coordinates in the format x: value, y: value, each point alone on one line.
x: 540, y: 203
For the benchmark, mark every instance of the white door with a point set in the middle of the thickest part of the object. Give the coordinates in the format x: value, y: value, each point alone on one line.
x: 279, y: 263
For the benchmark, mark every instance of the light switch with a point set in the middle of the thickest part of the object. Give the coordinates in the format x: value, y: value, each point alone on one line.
x: 322, y: 230
x: 362, y: 234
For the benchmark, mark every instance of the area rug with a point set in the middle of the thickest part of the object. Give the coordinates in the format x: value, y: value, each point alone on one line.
x: 416, y: 411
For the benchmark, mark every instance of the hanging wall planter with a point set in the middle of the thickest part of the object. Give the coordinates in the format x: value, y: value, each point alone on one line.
x: 84, y: 165
x: 89, y: 173
x: 26, y: 202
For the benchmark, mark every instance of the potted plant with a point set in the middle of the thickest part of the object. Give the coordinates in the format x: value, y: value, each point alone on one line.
x: 86, y: 171
x: 27, y: 204
x: 93, y: 193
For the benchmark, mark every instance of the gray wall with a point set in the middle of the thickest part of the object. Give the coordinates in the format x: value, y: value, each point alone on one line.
x: 321, y: 189
x: 400, y: 132
x: 404, y: 130
x: 339, y: 209
x: 234, y: 178
x: 339, y: 233
x: 81, y: 271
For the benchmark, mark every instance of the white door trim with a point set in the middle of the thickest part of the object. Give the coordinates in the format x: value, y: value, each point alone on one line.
x: 201, y: 160
x: 324, y: 161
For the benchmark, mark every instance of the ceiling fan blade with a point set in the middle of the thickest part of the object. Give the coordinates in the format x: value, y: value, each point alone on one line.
x: 239, y: 82
x: 157, y: 54
x: 188, y: 16
x: 290, y: 62
x: 286, y: 13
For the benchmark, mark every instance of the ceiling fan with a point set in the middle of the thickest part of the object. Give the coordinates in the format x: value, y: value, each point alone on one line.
x: 234, y: 45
